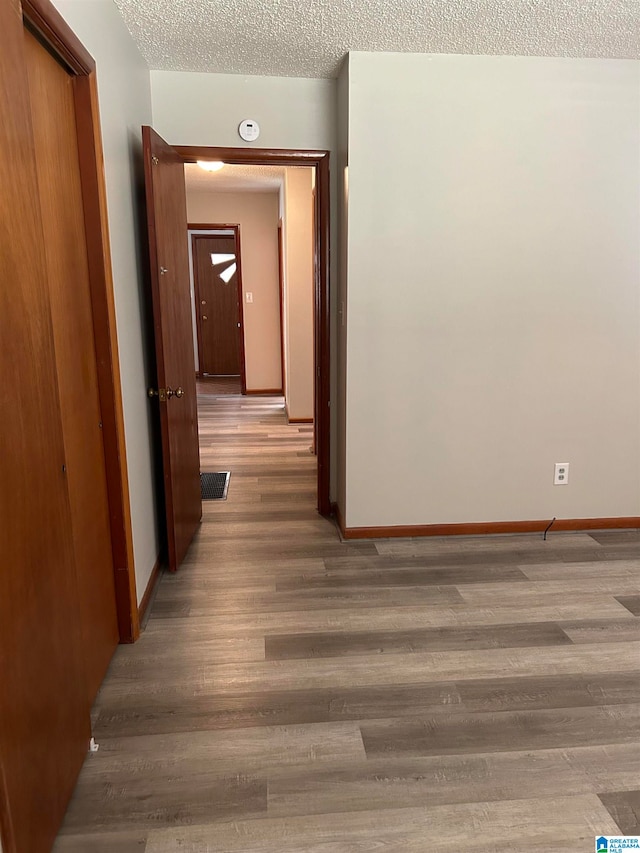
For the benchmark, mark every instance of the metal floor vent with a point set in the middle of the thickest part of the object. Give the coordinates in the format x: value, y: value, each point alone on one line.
x: 214, y: 486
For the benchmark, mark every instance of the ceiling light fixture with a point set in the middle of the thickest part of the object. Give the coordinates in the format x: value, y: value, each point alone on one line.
x: 211, y: 165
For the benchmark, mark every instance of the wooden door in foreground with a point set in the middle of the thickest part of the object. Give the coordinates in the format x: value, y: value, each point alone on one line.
x: 54, y: 127
x: 44, y: 705
x: 176, y: 388
x: 215, y: 267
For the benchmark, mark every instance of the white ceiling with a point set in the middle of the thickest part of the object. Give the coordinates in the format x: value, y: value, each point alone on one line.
x: 233, y: 179
x: 309, y: 38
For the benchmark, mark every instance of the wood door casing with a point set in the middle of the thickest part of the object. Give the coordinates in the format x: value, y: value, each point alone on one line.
x: 44, y: 712
x: 57, y: 163
x: 283, y: 362
x: 171, y: 297
x: 319, y: 160
x: 218, y: 305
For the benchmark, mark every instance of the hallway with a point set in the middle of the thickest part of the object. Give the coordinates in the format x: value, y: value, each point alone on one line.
x: 295, y: 693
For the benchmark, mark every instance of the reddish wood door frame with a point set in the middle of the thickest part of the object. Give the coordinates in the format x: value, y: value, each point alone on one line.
x: 283, y: 366
x: 236, y: 231
x: 43, y: 18
x: 320, y: 161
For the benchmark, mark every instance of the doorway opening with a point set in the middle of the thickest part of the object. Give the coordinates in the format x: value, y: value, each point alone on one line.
x: 279, y: 376
x: 172, y: 300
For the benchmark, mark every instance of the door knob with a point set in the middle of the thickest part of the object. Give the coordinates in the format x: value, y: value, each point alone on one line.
x: 204, y: 302
x: 177, y: 392
x: 204, y: 317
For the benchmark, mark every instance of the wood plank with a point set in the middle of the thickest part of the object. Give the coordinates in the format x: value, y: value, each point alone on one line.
x: 391, y: 669
x: 244, y: 750
x: 624, y: 808
x: 503, y: 731
x: 631, y: 602
x: 581, y: 570
x: 259, y: 623
x: 404, y: 577
x: 446, y: 557
x: 191, y: 603
x: 539, y: 590
x: 156, y: 657
x: 439, y: 780
x: 134, y: 841
x: 556, y: 691
x: 602, y: 630
x: 179, y: 709
x: 300, y: 646
x: 565, y: 542
x: 563, y: 824
x: 608, y: 537
x: 137, y: 802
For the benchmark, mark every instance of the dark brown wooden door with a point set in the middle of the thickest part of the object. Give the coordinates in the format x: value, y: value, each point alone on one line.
x: 215, y: 265
x: 57, y: 163
x: 44, y: 706
x: 169, y: 260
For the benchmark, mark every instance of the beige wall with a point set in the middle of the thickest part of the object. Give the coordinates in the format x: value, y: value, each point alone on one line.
x: 125, y: 104
x: 298, y: 292
x: 257, y: 216
x: 493, y: 289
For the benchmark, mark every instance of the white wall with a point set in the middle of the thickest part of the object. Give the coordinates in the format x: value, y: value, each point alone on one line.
x: 205, y: 109
x: 493, y: 289
x: 125, y: 104
x: 257, y: 216
x: 297, y: 226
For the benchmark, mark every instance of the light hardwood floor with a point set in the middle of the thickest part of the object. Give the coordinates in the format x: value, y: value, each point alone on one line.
x: 292, y: 692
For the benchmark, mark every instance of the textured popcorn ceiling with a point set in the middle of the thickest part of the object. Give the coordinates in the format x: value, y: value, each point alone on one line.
x: 308, y: 38
x: 233, y: 179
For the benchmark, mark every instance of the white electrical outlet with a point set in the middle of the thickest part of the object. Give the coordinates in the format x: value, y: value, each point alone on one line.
x: 561, y: 474
x: 249, y: 297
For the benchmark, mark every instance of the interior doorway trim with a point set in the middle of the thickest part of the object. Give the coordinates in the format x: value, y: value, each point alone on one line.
x: 41, y: 18
x: 283, y: 362
x: 320, y: 161
x: 196, y: 289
